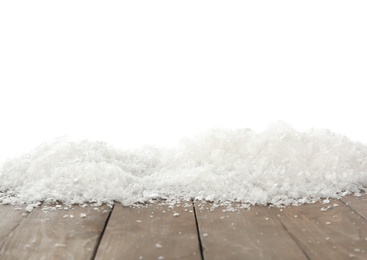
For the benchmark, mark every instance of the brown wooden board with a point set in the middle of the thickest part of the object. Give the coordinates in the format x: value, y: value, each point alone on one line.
x: 244, y: 234
x: 326, y: 231
x: 56, y: 233
x: 152, y: 231
x: 10, y: 218
x: 359, y: 204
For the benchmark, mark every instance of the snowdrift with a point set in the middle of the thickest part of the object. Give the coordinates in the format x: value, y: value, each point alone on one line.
x: 279, y: 166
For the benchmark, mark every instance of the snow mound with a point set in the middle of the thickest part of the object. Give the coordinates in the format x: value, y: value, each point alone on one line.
x: 279, y: 166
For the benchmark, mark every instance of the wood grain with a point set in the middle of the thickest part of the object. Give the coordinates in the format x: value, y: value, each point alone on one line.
x: 151, y: 232
x: 10, y: 218
x: 244, y: 234
x: 335, y: 232
x: 358, y: 204
x: 56, y: 233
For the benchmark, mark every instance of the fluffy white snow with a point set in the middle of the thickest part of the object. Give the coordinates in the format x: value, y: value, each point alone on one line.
x: 280, y: 166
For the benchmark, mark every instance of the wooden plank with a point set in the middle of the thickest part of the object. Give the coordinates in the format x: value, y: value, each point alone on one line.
x: 326, y: 231
x: 153, y: 231
x: 244, y: 234
x: 359, y: 204
x: 55, y: 233
x: 10, y: 218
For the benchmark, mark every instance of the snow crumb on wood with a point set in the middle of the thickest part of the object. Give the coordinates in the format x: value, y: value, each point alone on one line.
x: 59, y: 245
x: 325, y: 208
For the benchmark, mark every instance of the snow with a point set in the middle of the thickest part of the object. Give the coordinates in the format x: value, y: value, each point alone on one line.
x: 279, y: 166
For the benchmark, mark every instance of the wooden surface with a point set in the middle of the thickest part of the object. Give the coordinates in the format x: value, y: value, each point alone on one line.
x: 151, y: 232
x: 246, y: 234
x: 56, y: 233
x: 10, y: 218
x: 336, y: 230
x: 358, y: 204
x: 326, y: 231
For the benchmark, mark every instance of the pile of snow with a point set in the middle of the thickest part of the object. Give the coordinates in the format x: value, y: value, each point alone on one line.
x: 280, y: 166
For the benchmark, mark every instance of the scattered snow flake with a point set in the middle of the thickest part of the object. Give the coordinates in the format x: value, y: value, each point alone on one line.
x: 205, y: 234
x: 83, y: 215
x: 138, y: 220
x: 65, y: 216
x: 176, y: 214
x: 29, y: 208
x: 59, y: 245
x: 327, y: 238
x: 325, y: 208
x: 327, y: 222
x: 160, y: 257
x: 71, y: 216
x: 325, y: 201
x: 357, y: 250
x: 336, y: 205
x: 245, y: 206
x: 158, y: 245
x: 296, y: 216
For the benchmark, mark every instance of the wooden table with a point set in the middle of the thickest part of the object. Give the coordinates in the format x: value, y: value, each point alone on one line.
x: 189, y: 230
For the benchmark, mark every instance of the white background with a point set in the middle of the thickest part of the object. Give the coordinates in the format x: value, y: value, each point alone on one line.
x: 150, y: 72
